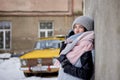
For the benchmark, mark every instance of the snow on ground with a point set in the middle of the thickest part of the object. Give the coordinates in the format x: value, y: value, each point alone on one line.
x: 10, y: 70
x: 5, y: 55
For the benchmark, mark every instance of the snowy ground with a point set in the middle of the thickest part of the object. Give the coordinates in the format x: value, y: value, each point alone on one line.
x: 9, y: 70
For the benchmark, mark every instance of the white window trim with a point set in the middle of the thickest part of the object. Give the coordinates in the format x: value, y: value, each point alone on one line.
x: 45, y: 30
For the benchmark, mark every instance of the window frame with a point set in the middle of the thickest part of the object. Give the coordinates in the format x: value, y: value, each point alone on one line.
x: 45, y: 30
x: 4, y: 35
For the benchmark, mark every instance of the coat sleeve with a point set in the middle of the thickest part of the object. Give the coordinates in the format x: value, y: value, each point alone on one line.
x: 63, y: 45
x: 85, y: 71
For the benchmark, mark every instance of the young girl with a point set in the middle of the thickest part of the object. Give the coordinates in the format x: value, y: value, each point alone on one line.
x: 76, y: 58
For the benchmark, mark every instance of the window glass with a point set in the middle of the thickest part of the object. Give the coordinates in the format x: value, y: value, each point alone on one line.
x: 47, y: 44
x: 49, y: 25
x: 4, y: 25
x: 42, y: 34
x: 42, y: 26
x: 1, y: 26
x: 50, y: 33
x: 45, y: 25
x: 7, y: 39
x: 1, y: 40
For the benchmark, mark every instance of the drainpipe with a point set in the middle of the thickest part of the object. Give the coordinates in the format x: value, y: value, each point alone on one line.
x: 72, y: 7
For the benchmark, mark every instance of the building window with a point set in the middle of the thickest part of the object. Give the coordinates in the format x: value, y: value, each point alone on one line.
x: 5, y: 35
x: 46, y: 29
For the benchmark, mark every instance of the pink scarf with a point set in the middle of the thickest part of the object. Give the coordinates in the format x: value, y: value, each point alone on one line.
x: 84, y: 43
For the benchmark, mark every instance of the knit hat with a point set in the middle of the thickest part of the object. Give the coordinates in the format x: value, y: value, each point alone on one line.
x: 85, y: 21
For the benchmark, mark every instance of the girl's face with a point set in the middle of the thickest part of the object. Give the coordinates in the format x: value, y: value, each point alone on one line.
x: 78, y: 28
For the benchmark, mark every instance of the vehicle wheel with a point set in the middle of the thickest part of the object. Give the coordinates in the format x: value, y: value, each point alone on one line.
x: 28, y: 74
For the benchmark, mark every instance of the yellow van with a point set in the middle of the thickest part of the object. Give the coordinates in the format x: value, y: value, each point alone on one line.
x: 42, y: 57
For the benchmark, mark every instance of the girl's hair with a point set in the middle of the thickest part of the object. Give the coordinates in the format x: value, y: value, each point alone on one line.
x: 70, y: 33
x: 85, y: 29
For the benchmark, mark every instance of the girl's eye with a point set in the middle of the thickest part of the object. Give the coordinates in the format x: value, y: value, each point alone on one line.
x: 81, y: 26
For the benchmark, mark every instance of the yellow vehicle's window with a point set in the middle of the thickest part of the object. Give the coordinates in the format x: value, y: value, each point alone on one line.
x: 45, y: 44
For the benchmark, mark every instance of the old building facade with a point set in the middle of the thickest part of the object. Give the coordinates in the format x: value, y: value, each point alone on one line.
x: 22, y: 22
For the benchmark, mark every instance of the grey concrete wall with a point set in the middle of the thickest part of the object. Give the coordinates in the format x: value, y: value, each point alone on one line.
x: 106, y: 14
